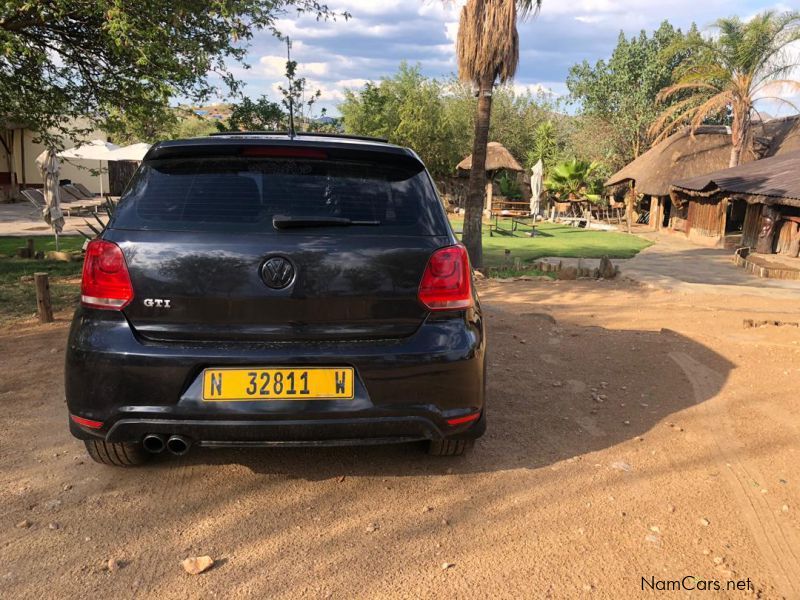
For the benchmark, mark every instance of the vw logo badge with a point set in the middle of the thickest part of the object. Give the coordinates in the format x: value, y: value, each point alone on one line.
x: 278, y: 272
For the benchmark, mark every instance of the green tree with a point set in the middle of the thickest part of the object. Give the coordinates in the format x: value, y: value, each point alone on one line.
x: 294, y: 94
x: 618, y: 96
x: 571, y: 179
x: 65, y: 59
x: 487, y: 49
x: 729, y: 73
x: 261, y: 115
x: 410, y: 110
x: 547, y: 145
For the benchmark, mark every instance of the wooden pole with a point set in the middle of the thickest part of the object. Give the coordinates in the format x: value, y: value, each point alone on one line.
x: 31, y: 251
x: 629, y: 206
x: 44, y: 306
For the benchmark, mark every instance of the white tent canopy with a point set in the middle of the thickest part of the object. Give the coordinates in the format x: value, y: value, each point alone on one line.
x: 94, y: 150
x: 132, y: 152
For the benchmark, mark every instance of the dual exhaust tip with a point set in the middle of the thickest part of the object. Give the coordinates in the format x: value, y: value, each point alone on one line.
x: 176, y: 444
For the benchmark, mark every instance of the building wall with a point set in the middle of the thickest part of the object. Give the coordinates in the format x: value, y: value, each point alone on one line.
x: 25, y: 152
x: 706, y: 218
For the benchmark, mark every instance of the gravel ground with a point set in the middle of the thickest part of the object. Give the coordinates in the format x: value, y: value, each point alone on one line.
x: 636, y: 437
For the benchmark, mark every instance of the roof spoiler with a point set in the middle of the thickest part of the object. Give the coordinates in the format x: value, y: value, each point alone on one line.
x: 344, y: 136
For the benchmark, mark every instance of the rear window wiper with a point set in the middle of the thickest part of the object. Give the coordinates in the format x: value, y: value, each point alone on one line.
x: 286, y: 222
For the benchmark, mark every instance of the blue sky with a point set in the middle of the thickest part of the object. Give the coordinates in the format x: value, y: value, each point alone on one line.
x: 382, y: 33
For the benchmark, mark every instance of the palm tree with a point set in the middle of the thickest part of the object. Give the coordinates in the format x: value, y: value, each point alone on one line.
x: 571, y: 179
x: 488, y: 52
x: 728, y: 74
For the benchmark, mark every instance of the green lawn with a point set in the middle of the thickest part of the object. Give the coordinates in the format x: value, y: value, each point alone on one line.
x: 17, y: 293
x: 557, y: 240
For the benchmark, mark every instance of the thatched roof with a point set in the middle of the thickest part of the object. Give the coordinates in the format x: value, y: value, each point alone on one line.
x: 678, y: 157
x: 773, y: 180
x: 497, y: 158
x: 683, y: 156
x: 784, y: 135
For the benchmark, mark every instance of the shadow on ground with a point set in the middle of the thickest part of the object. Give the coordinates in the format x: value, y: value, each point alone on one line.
x: 555, y: 391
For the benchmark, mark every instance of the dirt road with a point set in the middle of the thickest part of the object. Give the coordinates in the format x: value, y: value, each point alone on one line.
x: 633, y: 434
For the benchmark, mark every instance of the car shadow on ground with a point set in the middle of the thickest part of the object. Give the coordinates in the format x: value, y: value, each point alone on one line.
x: 556, y: 390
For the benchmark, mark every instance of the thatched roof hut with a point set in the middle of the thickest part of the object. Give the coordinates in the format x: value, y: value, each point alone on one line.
x: 683, y: 156
x: 497, y: 159
x: 763, y: 197
x: 773, y: 180
x: 784, y: 135
x: 678, y: 157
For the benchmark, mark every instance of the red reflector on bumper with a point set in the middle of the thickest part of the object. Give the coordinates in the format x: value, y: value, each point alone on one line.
x: 86, y: 422
x: 462, y: 420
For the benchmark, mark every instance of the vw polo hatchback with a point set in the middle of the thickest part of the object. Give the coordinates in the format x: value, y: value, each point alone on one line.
x: 259, y: 290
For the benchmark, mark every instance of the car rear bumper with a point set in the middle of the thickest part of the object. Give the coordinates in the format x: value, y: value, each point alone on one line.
x: 405, y: 389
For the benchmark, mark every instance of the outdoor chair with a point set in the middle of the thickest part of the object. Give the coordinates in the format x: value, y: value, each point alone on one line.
x: 68, y: 195
x: 615, y: 210
x: 36, y: 197
x: 85, y: 191
x: 77, y: 192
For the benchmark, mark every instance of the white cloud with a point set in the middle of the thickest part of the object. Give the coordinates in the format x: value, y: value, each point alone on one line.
x: 382, y: 33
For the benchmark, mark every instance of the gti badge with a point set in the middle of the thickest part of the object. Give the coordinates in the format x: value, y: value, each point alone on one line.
x: 157, y: 302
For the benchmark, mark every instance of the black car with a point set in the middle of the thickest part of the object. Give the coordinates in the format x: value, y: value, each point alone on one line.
x: 266, y: 289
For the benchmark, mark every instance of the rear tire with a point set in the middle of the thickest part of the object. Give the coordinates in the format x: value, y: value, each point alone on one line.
x: 116, y: 454
x: 449, y: 447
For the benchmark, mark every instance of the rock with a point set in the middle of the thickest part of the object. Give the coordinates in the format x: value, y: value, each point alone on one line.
x: 671, y: 508
x: 445, y: 522
x: 52, y: 504
x: 447, y: 565
x: 59, y: 256
x: 67, y: 487
x: 479, y: 275
x: 54, y: 526
x: 372, y: 527
x: 24, y: 524
x: 705, y: 522
x: 194, y: 565
x: 606, y: 268
x: 655, y: 529
x: 785, y: 508
x: 568, y: 274
x: 557, y: 384
x: 113, y: 565
x: 426, y: 509
x: 718, y: 560
x: 621, y: 466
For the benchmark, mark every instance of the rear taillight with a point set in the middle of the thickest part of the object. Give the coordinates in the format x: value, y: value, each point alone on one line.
x: 106, y: 283
x: 86, y: 422
x: 446, y: 284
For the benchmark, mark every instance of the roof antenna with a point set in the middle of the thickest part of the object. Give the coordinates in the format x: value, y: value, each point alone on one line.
x: 290, y: 75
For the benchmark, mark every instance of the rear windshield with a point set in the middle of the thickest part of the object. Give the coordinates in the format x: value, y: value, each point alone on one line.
x: 244, y: 194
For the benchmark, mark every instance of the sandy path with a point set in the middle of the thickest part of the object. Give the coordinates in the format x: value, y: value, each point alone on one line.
x: 688, y: 466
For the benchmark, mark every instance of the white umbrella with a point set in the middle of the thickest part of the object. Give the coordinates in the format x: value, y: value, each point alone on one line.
x: 49, y: 165
x: 95, y: 150
x: 537, y: 174
x: 132, y: 152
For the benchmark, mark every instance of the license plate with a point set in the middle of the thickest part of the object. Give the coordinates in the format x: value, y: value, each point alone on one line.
x: 311, y: 383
